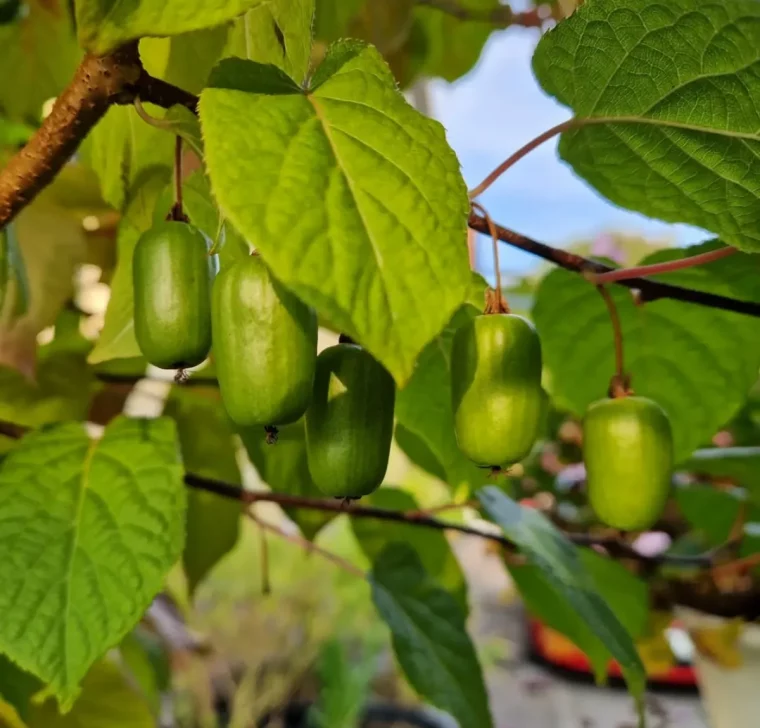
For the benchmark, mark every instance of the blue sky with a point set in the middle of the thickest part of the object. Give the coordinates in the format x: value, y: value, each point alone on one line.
x: 491, y: 113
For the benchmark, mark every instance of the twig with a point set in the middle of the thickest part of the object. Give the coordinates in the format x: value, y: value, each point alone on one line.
x: 445, y: 508
x: 650, y: 290
x: 613, y: 545
x: 740, y: 565
x: 306, y: 545
x: 99, y: 82
x: 500, y: 17
x: 623, y: 274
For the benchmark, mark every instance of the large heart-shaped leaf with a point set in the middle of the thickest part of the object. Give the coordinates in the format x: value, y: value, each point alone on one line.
x: 354, y: 198
x: 698, y: 363
x: 668, y: 94
x: 89, y: 530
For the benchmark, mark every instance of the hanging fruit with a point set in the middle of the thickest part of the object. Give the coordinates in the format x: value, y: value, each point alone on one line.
x: 628, y: 452
x: 265, y: 346
x: 349, y: 424
x: 172, y: 275
x: 496, y: 389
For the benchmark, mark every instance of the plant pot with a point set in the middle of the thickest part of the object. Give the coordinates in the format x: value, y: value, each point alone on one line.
x: 730, y: 695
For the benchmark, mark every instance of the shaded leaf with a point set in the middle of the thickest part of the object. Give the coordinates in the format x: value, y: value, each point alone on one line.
x: 423, y: 410
x: 675, y: 87
x: 453, y: 45
x: 429, y: 637
x: 363, y: 188
x: 107, y: 698
x: 184, y: 60
x: 106, y: 24
x: 277, y: 32
x: 711, y: 512
x: 284, y: 468
x: 117, y: 338
x: 38, y: 59
x: 107, y: 514
x: 208, y: 449
x: 588, y: 618
x: 431, y: 547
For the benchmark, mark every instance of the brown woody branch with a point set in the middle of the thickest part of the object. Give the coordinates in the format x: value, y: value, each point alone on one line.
x: 649, y: 290
x: 500, y: 17
x: 99, y: 83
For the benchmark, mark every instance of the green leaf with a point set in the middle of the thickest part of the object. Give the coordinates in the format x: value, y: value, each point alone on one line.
x: 17, y: 687
x: 668, y: 95
x: 711, y: 512
x: 565, y: 575
x: 146, y: 661
x: 741, y: 464
x: 624, y: 593
x: 108, y: 699
x: 184, y: 60
x: 123, y: 149
x: 278, y: 33
x: 429, y: 637
x: 698, y: 363
x: 283, y: 467
x: 61, y: 390
x: 354, y: 198
x: 453, y: 45
x: 38, y: 59
x: 208, y: 450
x: 106, y: 24
x: 117, y: 338
x: 423, y: 410
x: 89, y: 531
x: 332, y: 18
x: 431, y: 547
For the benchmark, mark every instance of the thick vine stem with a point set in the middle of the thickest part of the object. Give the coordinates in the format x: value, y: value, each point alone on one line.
x: 650, y: 290
x: 99, y: 82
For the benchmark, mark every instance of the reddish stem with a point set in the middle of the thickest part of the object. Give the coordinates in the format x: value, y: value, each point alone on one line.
x: 520, y: 153
x: 625, y: 274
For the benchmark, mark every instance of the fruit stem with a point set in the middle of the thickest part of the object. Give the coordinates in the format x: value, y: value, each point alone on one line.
x: 625, y: 274
x: 272, y: 434
x: 620, y: 384
x: 520, y: 153
x: 178, y: 176
x: 495, y: 301
x: 345, y: 339
x: 266, y: 583
x: 307, y: 546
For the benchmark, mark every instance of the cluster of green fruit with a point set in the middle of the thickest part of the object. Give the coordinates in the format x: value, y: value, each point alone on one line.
x: 498, y: 411
x: 265, y: 352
